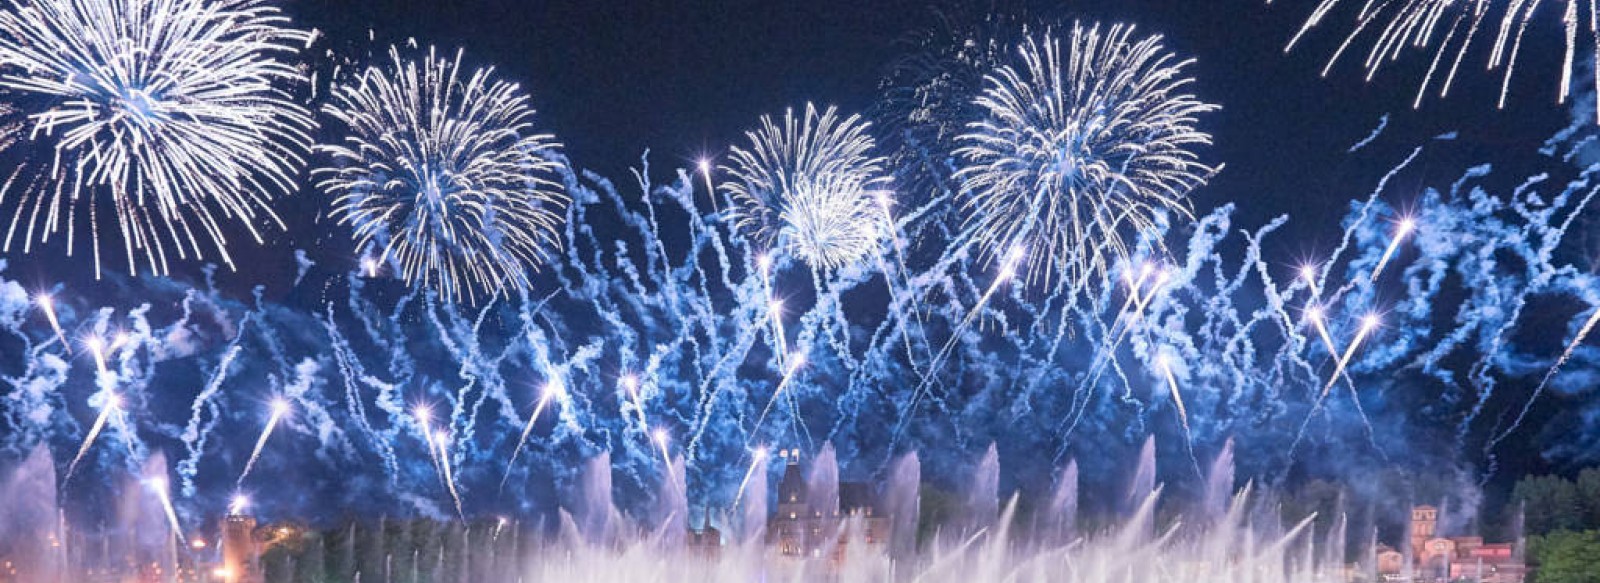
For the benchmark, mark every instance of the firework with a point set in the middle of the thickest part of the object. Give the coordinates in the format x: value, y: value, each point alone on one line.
x: 47, y: 305
x: 1164, y: 363
x: 439, y: 172
x: 795, y: 364
x: 1007, y: 273
x: 112, y: 406
x: 279, y: 409
x: 551, y: 391
x: 424, y: 418
x: 168, y: 120
x: 238, y: 505
x: 757, y: 462
x: 1080, y: 145
x: 1448, y: 30
x: 704, y: 166
x: 97, y: 349
x: 775, y: 313
x: 442, y: 440
x: 1368, y: 324
x: 161, y: 489
x: 1406, y: 226
x: 806, y: 186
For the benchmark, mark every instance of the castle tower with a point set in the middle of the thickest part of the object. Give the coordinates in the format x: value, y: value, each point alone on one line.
x: 1424, y: 526
x: 241, y: 560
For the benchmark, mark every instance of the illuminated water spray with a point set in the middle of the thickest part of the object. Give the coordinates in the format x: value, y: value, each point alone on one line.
x: 551, y: 391
x: 280, y: 408
x: 112, y: 406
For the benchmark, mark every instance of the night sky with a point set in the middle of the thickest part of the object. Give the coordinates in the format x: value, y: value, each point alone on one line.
x: 684, y: 80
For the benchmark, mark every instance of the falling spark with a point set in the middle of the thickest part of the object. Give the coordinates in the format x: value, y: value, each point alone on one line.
x: 662, y: 440
x: 1368, y: 324
x: 551, y: 391
x: 757, y: 460
x: 794, y: 367
x: 370, y: 267
x: 1404, y: 229
x: 159, y: 486
x: 238, y: 505
x: 280, y: 408
x: 112, y: 406
x: 48, y: 305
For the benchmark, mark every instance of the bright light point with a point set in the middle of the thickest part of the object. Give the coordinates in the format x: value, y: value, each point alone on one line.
x: 1314, y: 313
x: 553, y: 389
x: 95, y: 343
x: 1308, y: 273
x: 760, y: 453
x: 661, y: 437
x: 1407, y: 225
x: 1145, y: 269
x: 1163, y: 361
x: 369, y: 266
x: 238, y: 504
x: 704, y: 165
x: 630, y: 382
x: 424, y: 414
x: 279, y: 406
x: 158, y: 484
x: 44, y: 300
x: 764, y: 261
x: 114, y: 401
x: 777, y: 306
x: 1369, y: 322
x: 197, y: 544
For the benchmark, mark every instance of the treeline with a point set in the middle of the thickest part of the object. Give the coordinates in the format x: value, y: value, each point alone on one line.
x: 1562, y: 518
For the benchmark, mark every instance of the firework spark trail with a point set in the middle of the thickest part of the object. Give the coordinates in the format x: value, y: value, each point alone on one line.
x: 195, y: 436
x: 1006, y: 273
x: 442, y: 439
x: 1583, y: 334
x: 1401, y: 232
x: 279, y: 409
x: 423, y: 416
x: 795, y: 365
x: 704, y: 166
x: 551, y: 392
x: 630, y: 383
x: 111, y: 406
x: 47, y: 304
x: 176, y: 114
x: 781, y: 340
x: 1164, y: 363
x: 163, y: 491
x: 1369, y: 323
x: 758, y: 460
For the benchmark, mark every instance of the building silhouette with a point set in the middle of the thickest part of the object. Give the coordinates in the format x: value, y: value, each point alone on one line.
x: 1436, y: 558
x: 803, y: 529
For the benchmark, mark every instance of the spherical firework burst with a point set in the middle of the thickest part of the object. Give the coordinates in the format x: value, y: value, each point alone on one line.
x: 440, y: 172
x: 1449, y: 29
x: 168, y: 119
x: 809, y: 186
x: 1080, y: 145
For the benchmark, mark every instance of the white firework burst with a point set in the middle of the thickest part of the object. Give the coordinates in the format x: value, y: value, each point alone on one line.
x: 440, y: 172
x: 169, y: 119
x: 809, y: 186
x: 1080, y: 146
x: 1449, y: 29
